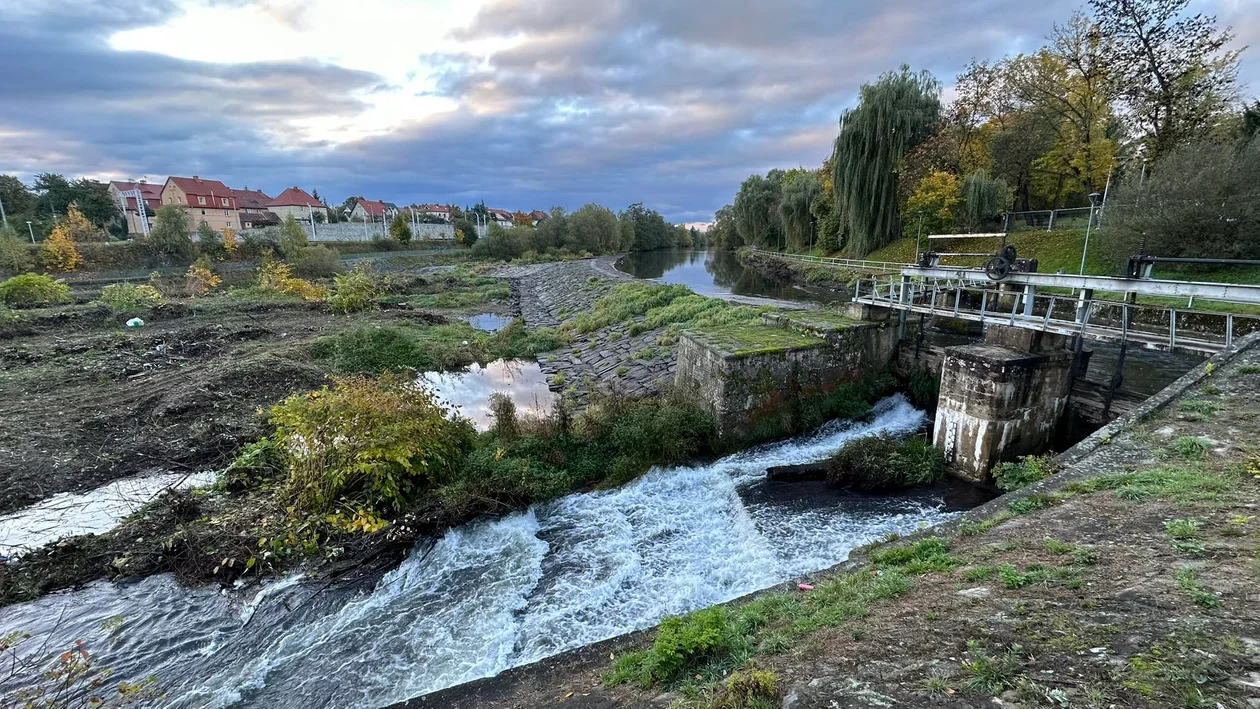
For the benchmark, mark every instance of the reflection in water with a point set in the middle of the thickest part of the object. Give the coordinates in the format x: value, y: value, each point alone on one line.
x: 470, y: 391
x: 1145, y: 371
x: 715, y: 272
x: 490, y: 322
x: 92, y: 512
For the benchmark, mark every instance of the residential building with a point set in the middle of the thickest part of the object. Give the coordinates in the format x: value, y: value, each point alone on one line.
x: 502, y: 217
x: 253, y: 209
x: 436, y: 210
x: 366, y: 210
x: 295, y: 202
x: 151, y: 196
x: 208, y: 201
x: 538, y: 216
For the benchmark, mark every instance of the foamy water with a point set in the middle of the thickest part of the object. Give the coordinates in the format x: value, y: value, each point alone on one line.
x: 496, y: 594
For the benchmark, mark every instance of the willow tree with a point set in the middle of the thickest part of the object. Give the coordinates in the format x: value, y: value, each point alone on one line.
x: 800, y: 189
x: 984, y: 198
x: 893, y: 115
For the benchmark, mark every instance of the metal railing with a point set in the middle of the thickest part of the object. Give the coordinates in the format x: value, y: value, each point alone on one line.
x: 1158, y: 327
x: 850, y: 264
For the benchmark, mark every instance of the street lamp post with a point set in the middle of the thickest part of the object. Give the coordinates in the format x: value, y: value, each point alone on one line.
x: 30, y: 230
x: 917, y: 237
x: 1093, y: 202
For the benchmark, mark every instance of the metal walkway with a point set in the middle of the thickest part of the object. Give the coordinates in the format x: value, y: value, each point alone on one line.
x: 1066, y: 305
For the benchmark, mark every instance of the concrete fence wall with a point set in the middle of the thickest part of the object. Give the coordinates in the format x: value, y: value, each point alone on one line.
x: 358, y: 231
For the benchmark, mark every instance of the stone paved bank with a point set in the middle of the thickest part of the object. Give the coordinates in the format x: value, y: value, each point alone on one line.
x: 550, y: 294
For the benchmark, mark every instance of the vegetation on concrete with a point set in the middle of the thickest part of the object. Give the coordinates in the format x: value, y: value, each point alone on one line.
x: 1024, y: 472
x: 885, y: 463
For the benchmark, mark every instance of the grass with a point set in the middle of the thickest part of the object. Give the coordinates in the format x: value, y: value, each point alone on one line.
x: 430, y: 347
x: 658, y: 305
x: 993, y: 673
x: 1184, y: 485
x: 1187, y: 580
x: 1189, y: 447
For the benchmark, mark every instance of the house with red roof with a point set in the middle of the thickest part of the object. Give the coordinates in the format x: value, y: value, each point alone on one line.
x: 208, y: 201
x: 367, y: 210
x: 295, y: 202
x: 150, y: 196
x: 502, y: 217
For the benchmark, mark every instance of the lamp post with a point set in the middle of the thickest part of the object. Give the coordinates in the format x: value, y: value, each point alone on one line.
x: 4, y: 217
x: 917, y: 237
x: 30, y: 231
x: 1093, y: 202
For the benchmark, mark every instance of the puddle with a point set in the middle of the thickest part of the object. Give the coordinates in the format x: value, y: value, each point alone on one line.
x: 470, y: 391
x: 93, y: 512
x: 490, y: 322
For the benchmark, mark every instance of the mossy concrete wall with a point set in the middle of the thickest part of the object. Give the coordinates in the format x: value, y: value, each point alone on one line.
x: 998, y: 403
x: 756, y: 379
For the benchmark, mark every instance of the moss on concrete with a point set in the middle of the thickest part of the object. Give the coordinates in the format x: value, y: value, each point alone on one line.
x: 756, y: 338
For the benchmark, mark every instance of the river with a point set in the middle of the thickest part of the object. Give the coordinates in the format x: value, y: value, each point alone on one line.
x: 717, y: 272
x: 496, y: 593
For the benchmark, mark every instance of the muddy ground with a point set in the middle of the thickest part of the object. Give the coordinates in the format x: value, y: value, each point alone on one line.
x: 1140, y: 592
x: 86, y: 400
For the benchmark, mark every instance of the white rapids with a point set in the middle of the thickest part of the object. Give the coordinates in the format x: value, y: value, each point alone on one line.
x: 498, y: 593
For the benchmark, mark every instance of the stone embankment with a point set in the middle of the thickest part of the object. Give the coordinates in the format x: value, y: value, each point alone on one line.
x: 550, y: 294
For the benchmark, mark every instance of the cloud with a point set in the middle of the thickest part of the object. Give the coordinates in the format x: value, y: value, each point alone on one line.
x: 523, y: 103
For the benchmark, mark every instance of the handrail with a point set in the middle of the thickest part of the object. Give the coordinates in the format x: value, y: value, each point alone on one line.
x: 853, y: 264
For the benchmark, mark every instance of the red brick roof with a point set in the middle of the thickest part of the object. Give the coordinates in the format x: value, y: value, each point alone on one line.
x: 437, y: 208
x: 253, y: 200
x: 374, y: 209
x: 502, y: 213
x: 197, y: 187
x: 152, y: 194
x: 295, y: 197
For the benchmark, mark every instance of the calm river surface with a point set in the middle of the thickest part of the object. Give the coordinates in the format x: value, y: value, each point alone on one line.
x: 716, y: 272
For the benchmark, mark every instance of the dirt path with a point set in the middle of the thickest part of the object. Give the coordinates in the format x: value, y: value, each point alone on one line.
x: 1127, y: 580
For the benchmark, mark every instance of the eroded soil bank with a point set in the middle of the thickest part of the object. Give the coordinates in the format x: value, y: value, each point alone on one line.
x: 1126, y: 580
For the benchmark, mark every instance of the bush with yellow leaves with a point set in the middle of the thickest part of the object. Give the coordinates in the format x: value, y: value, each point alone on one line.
x: 200, y: 279
x: 275, y: 276
x: 58, y: 252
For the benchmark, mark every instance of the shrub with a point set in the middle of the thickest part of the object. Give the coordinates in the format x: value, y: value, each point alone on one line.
x: 1028, y: 470
x: 883, y: 462
x: 503, y: 413
x: 377, y: 443
x: 58, y: 252
x: 499, y: 243
x: 316, y: 262
x: 399, y: 229
x: 15, y: 255
x: 258, y: 463
x: 274, y: 276
x: 257, y: 245
x: 353, y: 291
x: 208, y: 240
x: 199, y: 278
x: 130, y: 296
x: 378, y: 349
x: 169, y: 236
x: 292, y: 237
x: 682, y: 643
x: 230, y: 244
x: 745, y: 688
x: 33, y: 289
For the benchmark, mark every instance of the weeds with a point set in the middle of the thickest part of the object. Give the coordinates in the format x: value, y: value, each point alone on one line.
x: 124, y: 297
x: 31, y: 289
x: 1198, y: 410
x: 1189, y: 484
x: 1188, y: 581
x: 1189, y: 447
x: 992, y: 673
x: 1028, y: 470
x: 883, y: 462
x: 1183, y: 528
x: 921, y: 557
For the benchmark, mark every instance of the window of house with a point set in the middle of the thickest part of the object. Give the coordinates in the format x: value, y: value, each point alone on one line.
x: 201, y: 200
x: 203, y: 211
x: 225, y: 202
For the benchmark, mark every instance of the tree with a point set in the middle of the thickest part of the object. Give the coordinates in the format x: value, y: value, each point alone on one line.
x: 757, y: 210
x: 893, y: 115
x: 169, y: 235
x: 650, y: 229
x: 14, y: 196
x: 499, y: 243
x: 938, y: 198
x: 1177, y: 76
x: 983, y: 198
x: 800, y: 189
x: 520, y: 219
x: 292, y: 237
x: 77, y: 227
x: 593, y: 228
x: 553, y: 233
x: 465, y: 232
x: 208, y: 240
x: 399, y: 229
x: 1198, y: 201
x: 58, y: 252
x: 723, y: 233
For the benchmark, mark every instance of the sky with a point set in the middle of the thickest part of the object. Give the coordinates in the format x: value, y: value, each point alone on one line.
x: 527, y: 104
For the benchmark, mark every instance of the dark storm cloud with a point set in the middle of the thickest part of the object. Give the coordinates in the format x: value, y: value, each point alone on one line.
x: 668, y: 102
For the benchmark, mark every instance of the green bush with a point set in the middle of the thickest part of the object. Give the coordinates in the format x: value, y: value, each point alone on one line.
x: 30, y: 289
x: 15, y: 255
x: 124, y: 297
x: 378, y: 349
x: 257, y: 464
x: 499, y: 243
x: 374, y: 444
x: 353, y: 291
x: 682, y: 644
x: 1028, y: 470
x: 880, y: 463
x: 315, y: 262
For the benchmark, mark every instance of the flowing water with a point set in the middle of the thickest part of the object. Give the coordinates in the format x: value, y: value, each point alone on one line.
x: 496, y: 593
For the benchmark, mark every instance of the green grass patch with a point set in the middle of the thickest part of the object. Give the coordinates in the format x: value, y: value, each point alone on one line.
x: 1189, y: 447
x: 1185, y: 485
x: 430, y: 347
x: 1187, y: 580
x: 921, y: 557
x: 885, y: 462
x: 993, y: 672
x: 1024, y: 472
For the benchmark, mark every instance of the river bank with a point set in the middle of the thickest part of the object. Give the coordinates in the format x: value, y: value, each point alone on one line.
x: 1126, y: 579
